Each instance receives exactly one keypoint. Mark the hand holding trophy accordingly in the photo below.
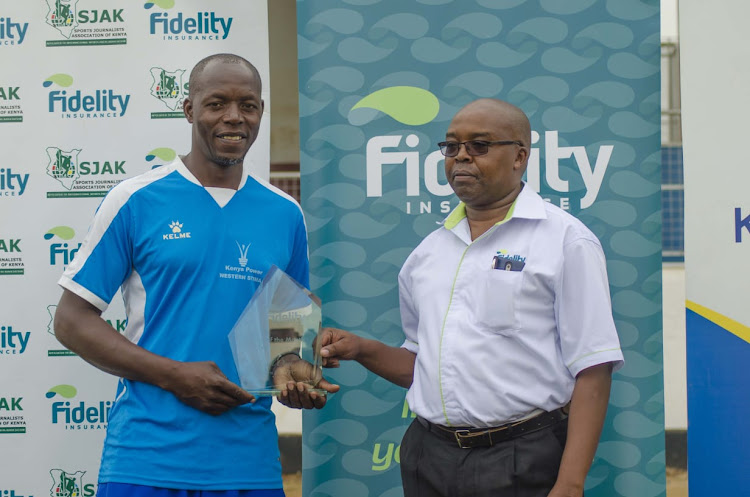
(275, 346)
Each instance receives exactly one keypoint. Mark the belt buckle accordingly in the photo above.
(459, 434)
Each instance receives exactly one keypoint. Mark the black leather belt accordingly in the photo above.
(469, 438)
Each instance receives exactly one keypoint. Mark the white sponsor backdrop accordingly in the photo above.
(86, 92)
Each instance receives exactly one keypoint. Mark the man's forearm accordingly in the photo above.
(79, 327)
(588, 408)
(395, 364)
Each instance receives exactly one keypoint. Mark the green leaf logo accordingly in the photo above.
(67, 391)
(59, 79)
(406, 104)
(64, 232)
(165, 154)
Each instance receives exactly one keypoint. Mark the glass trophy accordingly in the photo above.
(275, 338)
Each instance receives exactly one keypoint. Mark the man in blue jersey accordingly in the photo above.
(188, 243)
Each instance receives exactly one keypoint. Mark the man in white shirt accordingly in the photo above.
(510, 342)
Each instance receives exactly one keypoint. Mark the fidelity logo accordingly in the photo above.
(10, 104)
(61, 253)
(415, 107)
(79, 415)
(12, 184)
(87, 178)
(12, 33)
(67, 484)
(11, 260)
(91, 104)
(85, 27)
(13, 342)
(171, 89)
(201, 26)
(11, 415)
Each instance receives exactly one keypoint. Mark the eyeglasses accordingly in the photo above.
(473, 147)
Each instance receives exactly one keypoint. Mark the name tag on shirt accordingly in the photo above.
(508, 263)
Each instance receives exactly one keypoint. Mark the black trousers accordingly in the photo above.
(526, 466)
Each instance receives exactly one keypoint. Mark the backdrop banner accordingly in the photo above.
(91, 94)
(717, 234)
(379, 83)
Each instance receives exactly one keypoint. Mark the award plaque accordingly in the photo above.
(275, 339)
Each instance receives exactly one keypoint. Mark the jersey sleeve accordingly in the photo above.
(105, 258)
(584, 310)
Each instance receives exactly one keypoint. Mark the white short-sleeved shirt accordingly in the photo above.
(502, 325)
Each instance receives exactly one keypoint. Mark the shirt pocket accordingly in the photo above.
(497, 304)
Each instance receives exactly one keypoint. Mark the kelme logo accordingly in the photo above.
(176, 232)
(68, 104)
(70, 484)
(82, 178)
(171, 88)
(79, 415)
(406, 104)
(61, 253)
(100, 26)
(160, 156)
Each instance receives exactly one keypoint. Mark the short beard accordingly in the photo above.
(227, 162)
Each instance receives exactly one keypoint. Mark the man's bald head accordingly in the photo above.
(195, 85)
(511, 115)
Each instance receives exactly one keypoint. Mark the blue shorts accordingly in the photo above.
(128, 490)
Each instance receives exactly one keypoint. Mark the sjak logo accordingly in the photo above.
(169, 87)
(63, 165)
(415, 106)
(63, 16)
(67, 484)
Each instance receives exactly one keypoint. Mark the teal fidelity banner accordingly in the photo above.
(379, 82)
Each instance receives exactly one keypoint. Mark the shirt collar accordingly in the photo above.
(527, 205)
(185, 172)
